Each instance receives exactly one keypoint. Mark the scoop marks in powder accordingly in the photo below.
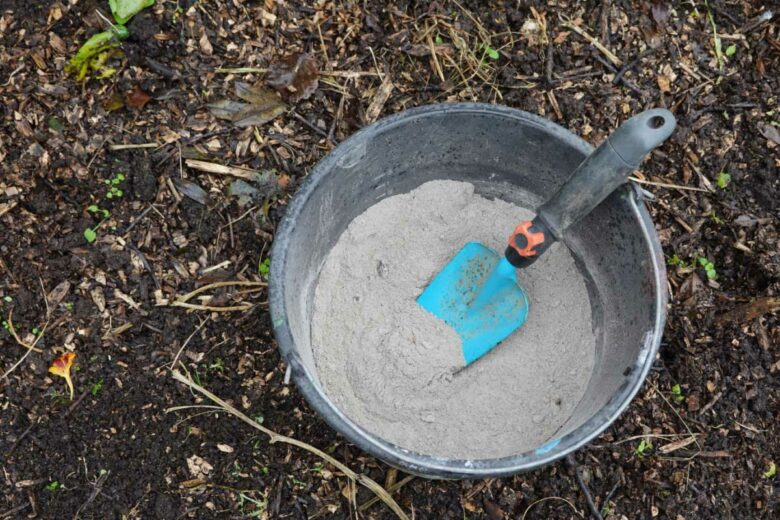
(391, 366)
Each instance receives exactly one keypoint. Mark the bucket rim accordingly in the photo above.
(442, 467)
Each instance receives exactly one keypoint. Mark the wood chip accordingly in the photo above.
(380, 98)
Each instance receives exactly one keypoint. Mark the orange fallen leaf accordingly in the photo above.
(137, 98)
(61, 367)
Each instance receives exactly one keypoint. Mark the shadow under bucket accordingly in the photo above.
(506, 154)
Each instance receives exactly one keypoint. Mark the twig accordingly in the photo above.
(221, 169)
(197, 307)
(275, 437)
(571, 461)
(21, 343)
(186, 341)
(392, 489)
(566, 22)
(216, 285)
(666, 185)
(11, 512)
(545, 499)
(76, 403)
(132, 146)
(97, 488)
(310, 126)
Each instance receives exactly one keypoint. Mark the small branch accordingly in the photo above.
(572, 463)
(275, 437)
(566, 22)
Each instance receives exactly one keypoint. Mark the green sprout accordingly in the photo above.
(644, 445)
(677, 394)
(676, 261)
(489, 51)
(709, 268)
(96, 387)
(264, 267)
(771, 472)
(715, 218)
(36, 332)
(97, 209)
(731, 50)
(53, 486)
(68, 306)
(723, 180)
(218, 365)
(259, 505)
(438, 40)
(7, 299)
(113, 186)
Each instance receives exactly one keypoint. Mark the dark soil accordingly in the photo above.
(117, 451)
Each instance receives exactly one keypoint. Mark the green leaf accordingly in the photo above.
(264, 267)
(53, 486)
(123, 10)
(90, 234)
(490, 51)
(93, 209)
(723, 180)
(438, 40)
(731, 50)
(771, 472)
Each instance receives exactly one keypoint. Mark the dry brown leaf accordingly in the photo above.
(380, 98)
(294, 76)
(137, 98)
(676, 445)
(664, 84)
(751, 310)
(205, 45)
(263, 106)
(769, 131)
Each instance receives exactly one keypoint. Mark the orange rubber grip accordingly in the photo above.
(530, 238)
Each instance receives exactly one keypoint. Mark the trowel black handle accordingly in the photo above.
(594, 179)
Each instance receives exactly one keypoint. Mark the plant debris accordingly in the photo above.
(262, 106)
(295, 76)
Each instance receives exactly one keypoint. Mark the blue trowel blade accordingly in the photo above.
(477, 295)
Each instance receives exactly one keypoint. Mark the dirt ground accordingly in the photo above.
(700, 441)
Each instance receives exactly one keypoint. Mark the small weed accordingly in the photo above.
(771, 472)
(676, 261)
(6, 326)
(259, 505)
(715, 218)
(68, 306)
(677, 394)
(113, 186)
(644, 445)
(264, 267)
(317, 469)
(53, 486)
(235, 471)
(96, 387)
(259, 419)
(731, 50)
(723, 180)
(97, 209)
(709, 268)
(218, 365)
(90, 234)
(297, 482)
(489, 51)
(36, 332)
(438, 40)
(7, 299)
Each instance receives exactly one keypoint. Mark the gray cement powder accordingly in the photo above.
(389, 365)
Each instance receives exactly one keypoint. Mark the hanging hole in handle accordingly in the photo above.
(656, 122)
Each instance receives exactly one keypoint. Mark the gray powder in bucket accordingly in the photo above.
(389, 365)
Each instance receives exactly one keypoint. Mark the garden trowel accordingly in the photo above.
(477, 293)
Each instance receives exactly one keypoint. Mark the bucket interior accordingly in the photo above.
(505, 155)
